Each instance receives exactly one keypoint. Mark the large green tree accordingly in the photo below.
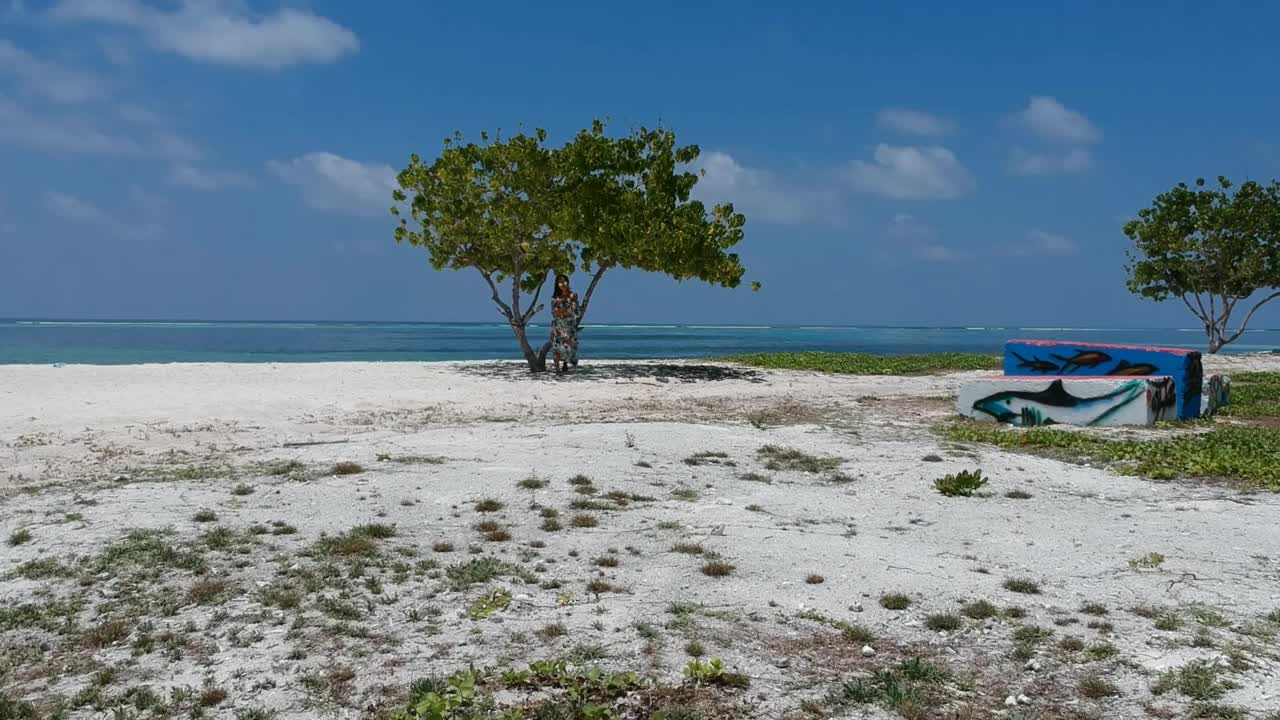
(1211, 248)
(518, 211)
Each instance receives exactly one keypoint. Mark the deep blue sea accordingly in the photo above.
(127, 342)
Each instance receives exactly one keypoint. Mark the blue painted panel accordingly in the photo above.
(1047, 358)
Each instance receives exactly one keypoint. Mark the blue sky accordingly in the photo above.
(899, 163)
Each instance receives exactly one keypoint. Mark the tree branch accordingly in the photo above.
(1247, 318)
(586, 298)
(516, 271)
(503, 308)
(1187, 302)
(534, 307)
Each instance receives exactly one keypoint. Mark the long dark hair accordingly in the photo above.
(557, 293)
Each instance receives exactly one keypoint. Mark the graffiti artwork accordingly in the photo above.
(1217, 394)
(1164, 399)
(1038, 358)
(1035, 364)
(1124, 367)
(1027, 402)
(1081, 360)
(1194, 386)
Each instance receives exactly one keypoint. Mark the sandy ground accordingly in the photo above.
(239, 602)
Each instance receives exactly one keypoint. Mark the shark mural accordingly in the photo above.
(1046, 358)
(1032, 403)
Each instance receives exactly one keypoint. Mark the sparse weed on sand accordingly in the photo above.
(895, 601)
(347, 467)
(780, 458)
(1023, 585)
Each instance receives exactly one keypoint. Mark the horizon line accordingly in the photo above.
(655, 324)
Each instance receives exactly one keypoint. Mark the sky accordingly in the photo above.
(898, 163)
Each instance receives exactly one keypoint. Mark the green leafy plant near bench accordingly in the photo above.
(965, 483)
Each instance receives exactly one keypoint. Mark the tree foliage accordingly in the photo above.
(1210, 248)
(517, 211)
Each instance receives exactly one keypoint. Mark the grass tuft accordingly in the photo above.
(895, 601)
(777, 458)
(979, 610)
(1026, 586)
(943, 622)
(717, 568)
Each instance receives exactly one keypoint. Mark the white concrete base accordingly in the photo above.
(1033, 401)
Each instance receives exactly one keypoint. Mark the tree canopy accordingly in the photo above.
(517, 211)
(1210, 248)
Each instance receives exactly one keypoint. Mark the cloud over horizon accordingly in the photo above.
(1051, 120)
(914, 122)
(911, 172)
(49, 80)
(762, 195)
(1054, 124)
(332, 182)
(1040, 243)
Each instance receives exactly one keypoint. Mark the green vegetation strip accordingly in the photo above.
(1245, 454)
(1254, 395)
(865, 364)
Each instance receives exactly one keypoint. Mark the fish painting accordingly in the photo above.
(1124, 367)
(1035, 364)
(1055, 406)
(1082, 359)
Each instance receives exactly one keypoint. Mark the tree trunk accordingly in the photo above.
(537, 359)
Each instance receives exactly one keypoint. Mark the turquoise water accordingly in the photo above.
(128, 342)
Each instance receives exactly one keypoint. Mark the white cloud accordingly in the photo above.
(91, 133)
(222, 32)
(197, 179)
(1075, 160)
(907, 235)
(911, 172)
(332, 182)
(18, 126)
(1053, 121)
(73, 209)
(761, 195)
(914, 122)
(117, 52)
(49, 80)
(70, 207)
(1039, 243)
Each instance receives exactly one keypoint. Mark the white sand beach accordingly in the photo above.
(273, 618)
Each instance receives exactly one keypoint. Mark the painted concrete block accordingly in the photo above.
(1033, 401)
(1217, 394)
(1043, 358)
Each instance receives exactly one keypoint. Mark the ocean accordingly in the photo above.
(131, 342)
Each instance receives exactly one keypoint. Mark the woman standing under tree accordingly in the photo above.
(564, 325)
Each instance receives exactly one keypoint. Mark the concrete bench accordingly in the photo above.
(1045, 358)
(1034, 401)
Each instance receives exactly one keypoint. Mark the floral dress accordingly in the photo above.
(564, 328)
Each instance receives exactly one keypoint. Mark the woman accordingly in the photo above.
(564, 325)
